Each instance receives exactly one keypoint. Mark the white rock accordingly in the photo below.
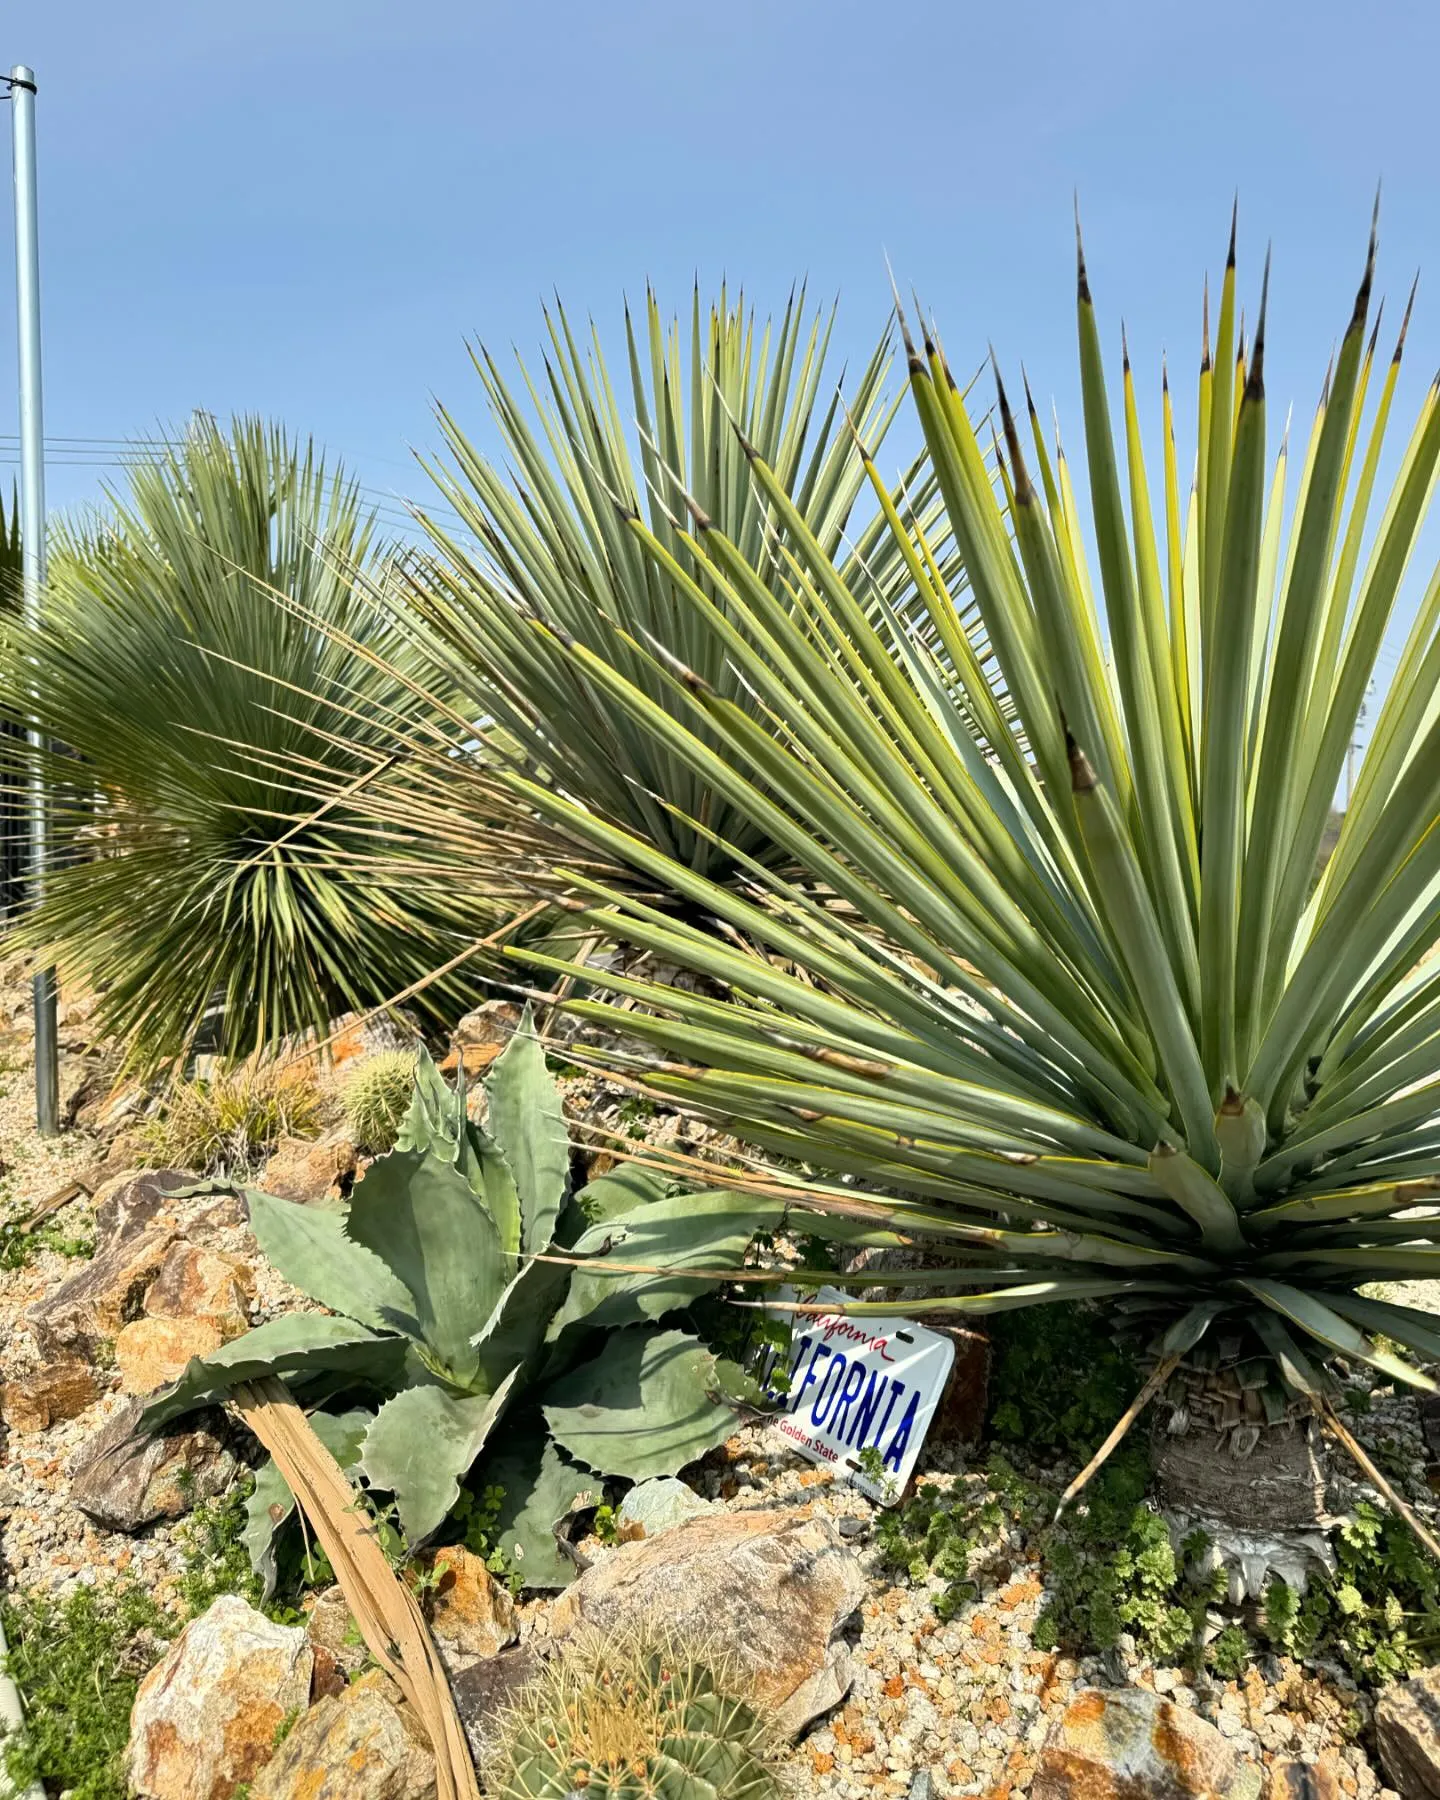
(661, 1503)
(206, 1716)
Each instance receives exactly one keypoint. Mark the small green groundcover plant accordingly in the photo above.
(1110, 1566)
(482, 1317)
(78, 1659)
(74, 1663)
(632, 1717)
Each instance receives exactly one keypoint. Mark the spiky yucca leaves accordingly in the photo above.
(1097, 1034)
(549, 544)
(193, 715)
(631, 1718)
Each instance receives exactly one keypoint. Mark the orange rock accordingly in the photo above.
(151, 1352)
(36, 1402)
(205, 1717)
(307, 1171)
(195, 1283)
(1019, 1593)
(894, 1687)
(1131, 1741)
(821, 1761)
(1292, 1780)
(489, 1026)
(478, 1058)
(471, 1614)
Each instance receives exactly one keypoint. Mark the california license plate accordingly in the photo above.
(862, 1393)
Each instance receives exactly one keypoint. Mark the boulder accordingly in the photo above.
(658, 1505)
(206, 1717)
(471, 1615)
(332, 1630)
(493, 1023)
(1407, 1734)
(769, 1589)
(1292, 1780)
(133, 1199)
(36, 1402)
(135, 1225)
(347, 1039)
(481, 1035)
(151, 1352)
(196, 1283)
(960, 1416)
(357, 1035)
(126, 1478)
(1130, 1741)
(310, 1170)
(362, 1744)
(105, 1113)
(485, 1690)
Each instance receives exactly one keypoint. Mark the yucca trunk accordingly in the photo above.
(1220, 1455)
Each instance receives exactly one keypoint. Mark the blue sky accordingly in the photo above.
(303, 208)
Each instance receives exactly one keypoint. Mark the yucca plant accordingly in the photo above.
(542, 557)
(195, 670)
(1089, 1029)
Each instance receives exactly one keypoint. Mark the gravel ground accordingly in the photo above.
(970, 1699)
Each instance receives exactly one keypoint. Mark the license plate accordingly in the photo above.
(861, 1395)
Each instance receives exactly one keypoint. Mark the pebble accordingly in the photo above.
(938, 1709)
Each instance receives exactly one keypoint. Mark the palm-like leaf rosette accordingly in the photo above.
(213, 687)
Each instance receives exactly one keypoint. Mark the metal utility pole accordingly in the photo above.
(32, 539)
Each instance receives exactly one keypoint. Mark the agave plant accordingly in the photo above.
(468, 1287)
(1089, 1027)
(543, 558)
(192, 718)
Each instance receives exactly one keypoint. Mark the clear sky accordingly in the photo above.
(303, 207)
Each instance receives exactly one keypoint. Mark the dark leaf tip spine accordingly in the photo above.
(1083, 779)
(1205, 328)
(1082, 278)
(1375, 330)
(1367, 280)
(1024, 493)
(1255, 384)
(1029, 397)
(1405, 322)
